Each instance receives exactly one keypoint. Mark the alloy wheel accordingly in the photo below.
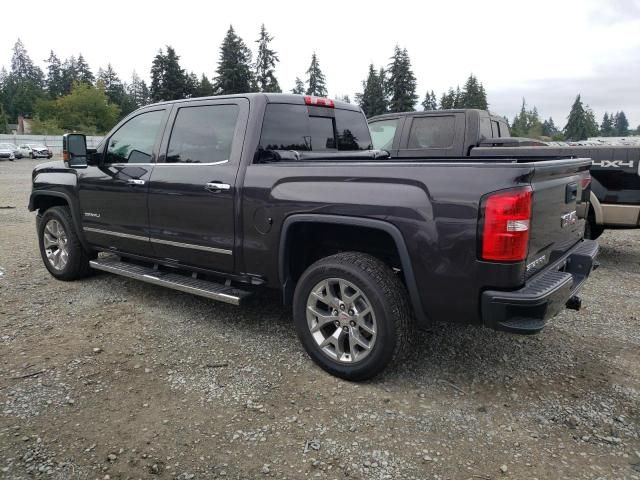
(55, 244)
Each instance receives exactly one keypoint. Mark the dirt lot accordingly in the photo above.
(110, 378)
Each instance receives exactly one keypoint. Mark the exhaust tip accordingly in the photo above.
(574, 303)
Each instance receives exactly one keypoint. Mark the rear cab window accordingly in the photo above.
(302, 128)
(434, 131)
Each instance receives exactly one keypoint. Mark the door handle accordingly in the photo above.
(217, 186)
(135, 181)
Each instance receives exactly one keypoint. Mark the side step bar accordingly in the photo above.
(175, 281)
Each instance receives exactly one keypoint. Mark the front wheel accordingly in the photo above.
(352, 315)
(60, 247)
(33, 156)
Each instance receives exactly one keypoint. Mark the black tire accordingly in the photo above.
(33, 156)
(592, 231)
(388, 298)
(77, 265)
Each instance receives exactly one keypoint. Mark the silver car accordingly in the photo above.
(34, 150)
(7, 152)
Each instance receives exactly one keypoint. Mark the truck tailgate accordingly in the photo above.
(559, 192)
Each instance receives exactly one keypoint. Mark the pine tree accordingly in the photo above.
(447, 101)
(401, 83)
(299, 87)
(234, 73)
(69, 74)
(592, 124)
(113, 87)
(4, 126)
(577, 127)
(606, 127)
(373, 100)
(621, 125)
(205, 87)
(527, 123)
(23, 85)
(138, 91)
(265, 64)
(429, 102)
(168, 80)
(549, 128)
(316, 81)
(473, 95)
(54, 84)
(83, 71)
(191, 85)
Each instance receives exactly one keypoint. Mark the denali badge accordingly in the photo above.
(570, 218)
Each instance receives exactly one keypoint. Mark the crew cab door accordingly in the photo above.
(193, 192)
(113, 188)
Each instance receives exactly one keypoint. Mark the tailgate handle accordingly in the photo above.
(571, 192)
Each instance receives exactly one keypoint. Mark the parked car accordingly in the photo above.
(7, 152)
(614, 198)
(35, 150)
(16, 150)
(222, 196)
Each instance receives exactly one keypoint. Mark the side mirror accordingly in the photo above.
(74, 149)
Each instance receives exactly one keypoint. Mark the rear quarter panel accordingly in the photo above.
(434, 205)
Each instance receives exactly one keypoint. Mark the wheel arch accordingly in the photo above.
(45, 199)
(284, 260)
(596, 207)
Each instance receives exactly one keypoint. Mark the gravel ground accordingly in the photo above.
(111, 378)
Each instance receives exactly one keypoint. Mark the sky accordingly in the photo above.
(546, 51)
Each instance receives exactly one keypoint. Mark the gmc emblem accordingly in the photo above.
(570, 218)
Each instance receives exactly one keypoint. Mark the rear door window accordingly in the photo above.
(432, 132)
(202, 134)
(383, 132)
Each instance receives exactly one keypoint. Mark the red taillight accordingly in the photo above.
(585, 182)
(319, 101)
(505, 232)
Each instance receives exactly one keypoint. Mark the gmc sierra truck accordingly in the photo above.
(614, 199)
(225, 195)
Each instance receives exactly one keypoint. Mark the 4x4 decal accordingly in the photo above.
(613, 163)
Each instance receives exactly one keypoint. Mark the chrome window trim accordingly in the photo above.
(158, 164)
(192, 246)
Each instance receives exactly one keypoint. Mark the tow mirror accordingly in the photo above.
(74, 149)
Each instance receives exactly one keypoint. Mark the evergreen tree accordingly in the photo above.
(448, 100)
(265, 64)
(473, 95)
(606, 127)
(113, 87)
(401, 83)
(205, 87)
(316, 81)
(4, 126)
(191, 85)
(54, 83)
(373, 100)
(429, 102)
(168, 80)
(23, 85)
(69, 75)
(621, 124)
(234, 67)
(527, 123)
(581, 122)
(299, 88)
(138, 91)
(83, 71)
(549, 128)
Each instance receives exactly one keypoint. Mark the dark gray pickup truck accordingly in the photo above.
(614, 200)
(225, 195)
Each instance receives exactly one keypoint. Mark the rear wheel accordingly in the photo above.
(352, 315)
(60, 247)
